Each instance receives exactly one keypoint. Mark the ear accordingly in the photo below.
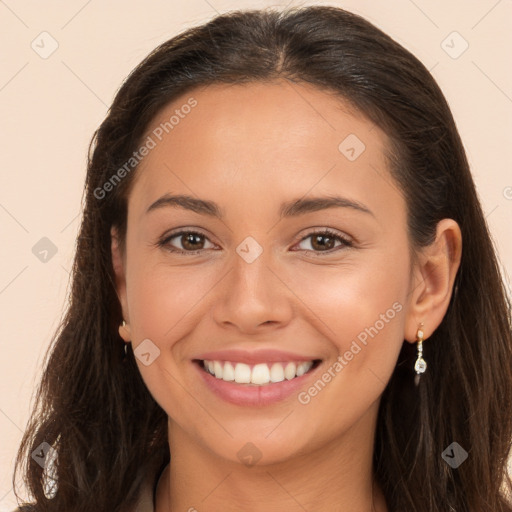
(432, 281)
(119, 265)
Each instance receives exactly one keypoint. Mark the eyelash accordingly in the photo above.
(164, 242)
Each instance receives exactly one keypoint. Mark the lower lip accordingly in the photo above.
(245, 394)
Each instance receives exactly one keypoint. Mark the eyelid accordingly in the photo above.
(326, 230)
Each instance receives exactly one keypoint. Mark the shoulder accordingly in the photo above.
(146, 500)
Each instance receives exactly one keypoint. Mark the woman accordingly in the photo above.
(284, 279)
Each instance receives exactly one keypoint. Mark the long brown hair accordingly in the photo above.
(93, 407)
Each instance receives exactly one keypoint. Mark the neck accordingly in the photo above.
(337, 476)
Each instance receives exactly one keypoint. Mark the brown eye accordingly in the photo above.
(325, 241)
(192, 241)
(188, 242)
(321, 242)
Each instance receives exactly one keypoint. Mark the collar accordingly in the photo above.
(146, 502)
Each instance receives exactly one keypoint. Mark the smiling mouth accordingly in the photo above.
(261, 374)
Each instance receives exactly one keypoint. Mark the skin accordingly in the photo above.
(249, 148)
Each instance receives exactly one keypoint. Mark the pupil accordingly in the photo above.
(323, 245)
(189, 239)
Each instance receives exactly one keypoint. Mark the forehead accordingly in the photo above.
(269, 138)
(284, 114)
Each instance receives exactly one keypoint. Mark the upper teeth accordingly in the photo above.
(259, 374)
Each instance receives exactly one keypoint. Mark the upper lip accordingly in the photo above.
(254, 356)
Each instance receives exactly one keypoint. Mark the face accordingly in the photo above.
(290, 255)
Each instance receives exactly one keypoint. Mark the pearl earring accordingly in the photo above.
(421, 365)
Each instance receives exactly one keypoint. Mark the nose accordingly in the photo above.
(253, 297)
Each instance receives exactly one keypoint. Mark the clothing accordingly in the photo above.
(147, 496)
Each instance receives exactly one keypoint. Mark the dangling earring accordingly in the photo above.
(125, 344)
(421, 365)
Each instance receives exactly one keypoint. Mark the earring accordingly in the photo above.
(421, 365)
(122, 326)
(125, 344)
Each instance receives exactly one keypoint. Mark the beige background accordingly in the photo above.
(50, 107)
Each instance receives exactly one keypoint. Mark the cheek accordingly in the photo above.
(360, 312)
(165, 307)
(346, 300)
(163, 299)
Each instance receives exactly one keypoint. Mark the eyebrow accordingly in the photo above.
(289, 209)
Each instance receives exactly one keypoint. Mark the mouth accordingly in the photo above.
(256, 375)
